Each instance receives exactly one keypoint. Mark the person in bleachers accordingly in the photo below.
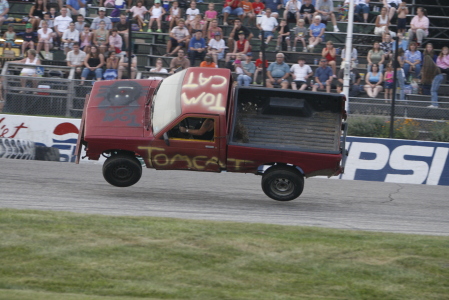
(101, 37)
(198, 24)
(382, 22)
(179, 62)
(216, 48)
(179, 38)
(101, 17)
(374, 81)
(75, 58)
(443, 61)
(53, 14)
(278, 72)
(432, 77)
(9, 36)
(283, 35)
(30, 59)
(123, 66)
(70, 36)
(28, 38)
(76, 7)
(45, 39)
(300, 34)
(86, 37)
(392, 6)
(388, 81)
(62, 23)
(267, 26)
(191, 12)
(50, 22)
(307, 10)
(210, 15)
(174, 14)
(4, 9)
(122, 29)
(242, 46)
(232, 7)
(362, 7)
(37, 13)
(139, 12)
(300, 73)
(412, 60)
(429, 50)
(316, 33)
(325, 9)
(376, 56)
(234, 37)
(213, 30)
(354, 81)
(387, 47)
(208, 62)
(197, 48)
(354, 56)
(112, 63)
(402, 17)
(116, 40)
(292, 10)
(158, 69)
(248, 12)
(330, 54)
(258, 7)
(93, 63)
(419, 26)
(156, 12)
(274, 6)
(248, 68)
(259, 67)
(79, 25)
(323, 77)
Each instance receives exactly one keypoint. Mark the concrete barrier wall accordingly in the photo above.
(372, 159)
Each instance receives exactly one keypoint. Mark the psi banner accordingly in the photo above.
(371, 159)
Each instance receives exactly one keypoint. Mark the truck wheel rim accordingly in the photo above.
(282, 186)
(122, 172)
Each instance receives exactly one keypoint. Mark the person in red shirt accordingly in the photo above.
(330, 53)
(258, 7)
(259, 67)
(232, 7)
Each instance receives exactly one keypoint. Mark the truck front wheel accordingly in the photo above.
(282, 183)
(122, 170)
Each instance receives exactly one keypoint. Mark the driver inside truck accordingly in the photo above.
(205, 132)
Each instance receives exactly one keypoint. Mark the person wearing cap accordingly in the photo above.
(242, 46)
(234, 37)
(101, 17)
(156, 12)
(278, 72)
(28, 38)
(179, 38)
(208, 63)
(197, 48)
(300, 73)
(216, 48)
(248, 68)
(61, 24)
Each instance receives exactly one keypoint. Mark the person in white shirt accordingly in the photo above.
(45, 39)
(267, 26)
(216, 48)
(191, 12)
(61, 24)
(292, 9)
(75, 58)
(70, 36)
(300, 73)
(392, 6)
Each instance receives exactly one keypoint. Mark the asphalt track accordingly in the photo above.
(355, 205)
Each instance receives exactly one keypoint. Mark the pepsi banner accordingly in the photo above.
(399, 161)
(371, 159)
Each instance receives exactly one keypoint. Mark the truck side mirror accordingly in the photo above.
(167, 141)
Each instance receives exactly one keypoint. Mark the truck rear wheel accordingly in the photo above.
(282, 183)
(122, 170)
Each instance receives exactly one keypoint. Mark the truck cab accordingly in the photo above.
(196, 120)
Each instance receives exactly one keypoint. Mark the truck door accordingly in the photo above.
(187, 151)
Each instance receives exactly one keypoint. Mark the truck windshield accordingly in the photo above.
(167, 102)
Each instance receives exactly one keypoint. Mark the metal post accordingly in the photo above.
(264, 68)
(347, 65)
(393, 100)
(130, 17)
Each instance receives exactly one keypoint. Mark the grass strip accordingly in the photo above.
(58, 255)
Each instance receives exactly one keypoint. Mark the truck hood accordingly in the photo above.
(117, 107)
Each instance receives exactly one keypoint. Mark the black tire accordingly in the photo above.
(122, 170)
(282, 183)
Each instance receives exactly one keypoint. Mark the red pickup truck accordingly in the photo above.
(196, 120)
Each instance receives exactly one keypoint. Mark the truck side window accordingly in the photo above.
(194, 128)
